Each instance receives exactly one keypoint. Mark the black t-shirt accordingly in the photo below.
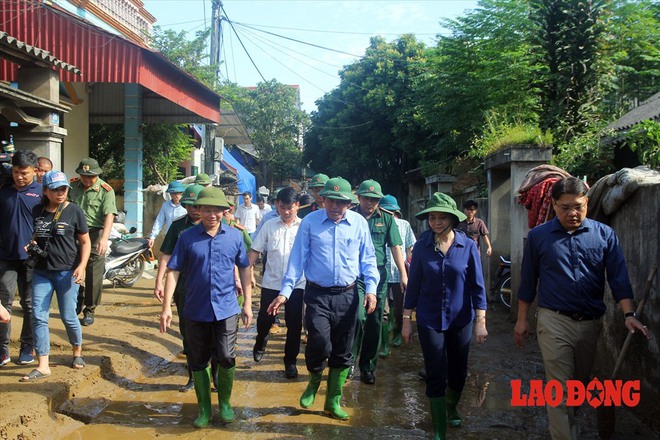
(62, 248)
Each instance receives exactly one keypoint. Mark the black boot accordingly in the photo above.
(190, 384)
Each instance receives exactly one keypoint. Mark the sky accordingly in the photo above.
(343, 26)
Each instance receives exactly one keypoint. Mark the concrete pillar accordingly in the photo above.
(43, 141)
(133, 197)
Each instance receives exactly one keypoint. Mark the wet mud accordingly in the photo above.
(130, 388)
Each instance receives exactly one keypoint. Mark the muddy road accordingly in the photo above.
(130, 388)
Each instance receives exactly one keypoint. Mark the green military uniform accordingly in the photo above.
(307, 209)
(318, 181)
(96, 202)
(384, 232)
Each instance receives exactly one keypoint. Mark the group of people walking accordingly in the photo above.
(346, 266)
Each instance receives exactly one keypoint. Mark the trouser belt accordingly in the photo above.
(576, 316)
(332, 289)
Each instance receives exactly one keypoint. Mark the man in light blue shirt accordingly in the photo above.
(170, 211)
(333, 248)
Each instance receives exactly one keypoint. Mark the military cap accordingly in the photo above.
(190, 194)
(337, 188)
(318, 181)
(440, 202)
(370, 188)
(89, 167)
(212, 196)
(203, 179)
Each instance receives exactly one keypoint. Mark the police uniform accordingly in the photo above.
(97, 201)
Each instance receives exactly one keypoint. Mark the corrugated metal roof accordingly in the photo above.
(647, 111)
(106, 58)
(23, 53)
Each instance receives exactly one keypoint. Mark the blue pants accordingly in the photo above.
(330, 319)
(44, 282)
(445, 358)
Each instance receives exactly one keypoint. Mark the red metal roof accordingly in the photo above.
(101, 56)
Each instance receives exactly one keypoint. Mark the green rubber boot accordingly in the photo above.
(385, 349)
(202, 380)
(439, 417)
(336, 379)
(225, 385)
(308, 396)
(453, 416)
(397, 339)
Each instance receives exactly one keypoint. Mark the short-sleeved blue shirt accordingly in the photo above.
(16, 222)
(445, 289)
(208, 263)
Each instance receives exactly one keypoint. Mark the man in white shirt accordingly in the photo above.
(248, 214)
(276, 237)
(264, 208)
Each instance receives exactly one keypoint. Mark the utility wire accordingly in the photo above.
(240, 41)
(334, 32)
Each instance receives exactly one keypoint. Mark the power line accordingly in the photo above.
(240, 41)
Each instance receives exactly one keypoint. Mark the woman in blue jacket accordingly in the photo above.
(446, 288)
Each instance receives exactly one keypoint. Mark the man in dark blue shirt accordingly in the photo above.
(17, 227)
(207, 254)
(569, 257)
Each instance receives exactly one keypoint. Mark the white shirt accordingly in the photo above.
(276, 239)
(266, 210)
(167, 214)
(248, 217)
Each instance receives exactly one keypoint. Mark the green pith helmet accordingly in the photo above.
(370, 188)
(338, 188)
(190, 194)
(319, 180)
(203, 179)
(212, 196)
(440, 202)
(89, 167)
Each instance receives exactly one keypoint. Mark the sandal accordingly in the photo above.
(33, 375)
(78, 363)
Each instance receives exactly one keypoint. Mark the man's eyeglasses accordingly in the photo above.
(568, 209)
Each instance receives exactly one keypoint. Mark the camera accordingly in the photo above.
(35, 252)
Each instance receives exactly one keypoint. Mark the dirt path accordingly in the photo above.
(130, 387)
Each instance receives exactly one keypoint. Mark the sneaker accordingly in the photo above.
(4, 358)
(274, 329)
(25, 357)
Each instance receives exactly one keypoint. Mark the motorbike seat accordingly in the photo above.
(123, 247)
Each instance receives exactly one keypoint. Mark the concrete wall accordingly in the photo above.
(636, 225)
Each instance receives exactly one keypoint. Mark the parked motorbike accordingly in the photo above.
(502, 286)
(124, 263)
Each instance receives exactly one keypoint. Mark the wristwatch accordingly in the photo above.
(630, 314)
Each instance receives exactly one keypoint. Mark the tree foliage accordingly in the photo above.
(369, 126)
(164, 147)
(272, 115)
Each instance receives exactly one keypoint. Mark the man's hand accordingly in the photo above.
(102, 247)
(165, 319)
(370, 301)
(404, 282)
(489, 251)
(79, 275)
(159, 292)
(5, 316)
(480, 331)
(150, 242)
(274, 306)
(633, 324)
(521, 332)
(246, 314)
(406, 331)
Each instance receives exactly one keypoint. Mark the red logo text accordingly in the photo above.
(575, 393)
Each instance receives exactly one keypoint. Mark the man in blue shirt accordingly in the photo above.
(333, 248)
(207, 254)
(16, 203)
(569, 258)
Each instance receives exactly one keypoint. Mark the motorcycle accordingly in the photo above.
(126, 258)
(502, 286)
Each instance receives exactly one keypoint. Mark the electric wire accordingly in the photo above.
(239, 40)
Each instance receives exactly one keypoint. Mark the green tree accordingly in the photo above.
(189, 55)
(164, 147)
(369, 126)
(272, 115)
(483, 66)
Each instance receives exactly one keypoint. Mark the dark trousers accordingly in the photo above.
(397, 297)
(367, 332)
(330, 319)
(94, 274)
(205, 338)
(13, 274)
(445, 358)
(180, 300)
(293, 314)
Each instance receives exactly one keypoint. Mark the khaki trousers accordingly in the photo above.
(569, 349)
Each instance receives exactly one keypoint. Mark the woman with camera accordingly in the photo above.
(59, 251)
